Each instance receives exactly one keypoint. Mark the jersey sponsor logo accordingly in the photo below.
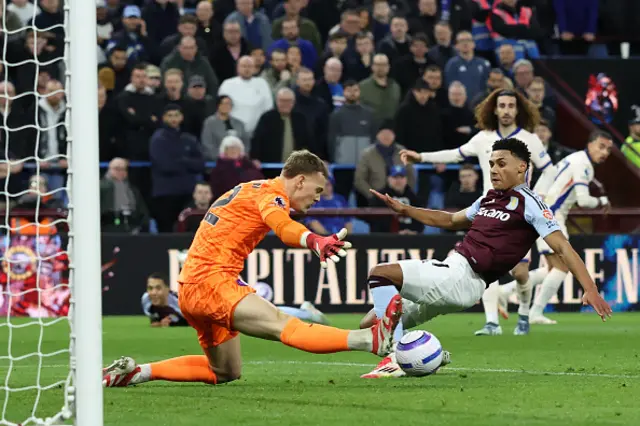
(543, 154)
(547, 214)
(494, 214)
(513, 204)
(279, 201)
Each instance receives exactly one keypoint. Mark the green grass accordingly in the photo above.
(580, 372)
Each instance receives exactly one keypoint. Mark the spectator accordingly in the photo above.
(495, 81)
(134, 36)
(39, 196)
(26, 71)
(556, 151)
(251, 95)
(376, 161)
(396, 44)
(351, 128)
(281, 131)
(115, 74)
(358, 67)
(122, 208)
(458, 13)
(138, 108)
(381, 19)
(161, 18)
(349, 25)
(418, 121)
(327, 225)
(176, 163)
(108, 132)
(50, 20)
(191, 216)
(232, 168)
(536, 94)
(426, 19)
(308, 29)
(160, 304)
(24, 10)
(187, 27)
(466, 68)
(411, 67)
(199, 105)
(433, 77)
(220, 125)
(459, 122)
(443, 50)
(255, 25)
(259, 59)
(291, 36)
(315, 110)
(380, 92)
(631, 146)
(187, 59)
(225, 57)
(515, 24)
(507, 59)
(13, 118)
(466, 191)
(52, 141)
(328, 88)
(104, 25)
(337, 49)
(480, 12)
(173, 89)
(209, 29)
(294, 61)
(277, 71)
(575, 20)
(153, 79)
(398, 189)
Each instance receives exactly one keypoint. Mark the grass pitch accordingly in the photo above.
(579, 372)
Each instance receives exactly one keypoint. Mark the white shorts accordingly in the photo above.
(438, 288)
(543, 247)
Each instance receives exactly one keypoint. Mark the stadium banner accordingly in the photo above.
(289, 276)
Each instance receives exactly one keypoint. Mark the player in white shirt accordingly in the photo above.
(504, 114)
(570, 187)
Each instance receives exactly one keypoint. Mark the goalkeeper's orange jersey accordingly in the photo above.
(233, 226)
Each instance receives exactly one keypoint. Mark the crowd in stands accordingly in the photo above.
(243, 83)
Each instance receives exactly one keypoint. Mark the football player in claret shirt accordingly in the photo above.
(502, 227)
(160, 304)
(219, 306)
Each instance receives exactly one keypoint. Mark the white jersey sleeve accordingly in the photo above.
(463, 153)
(472, 210)
(582, 176)
(541, 159)
(537, 214)
(146, 304)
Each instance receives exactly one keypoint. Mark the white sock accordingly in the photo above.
(508, 288)
(490, 303)
(296, 312)
(525, 292)
(381, 298)
(550, 286)
(537, 276)
(144, 376)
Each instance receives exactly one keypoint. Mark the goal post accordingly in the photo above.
(84, 214)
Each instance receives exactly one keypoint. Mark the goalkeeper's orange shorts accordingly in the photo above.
(208, 307)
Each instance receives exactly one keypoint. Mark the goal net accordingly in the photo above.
(41, 325)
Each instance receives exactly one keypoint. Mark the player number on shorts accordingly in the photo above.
(221, 202)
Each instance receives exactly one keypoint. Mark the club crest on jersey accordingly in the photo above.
(279, 201)
(513, 204)
(547, 214)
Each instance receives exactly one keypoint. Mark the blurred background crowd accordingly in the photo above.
(197, 96)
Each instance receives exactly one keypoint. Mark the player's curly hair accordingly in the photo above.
(516, 147)
(304, 162)
(528, 115)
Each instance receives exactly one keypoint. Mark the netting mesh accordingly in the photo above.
(36, 300)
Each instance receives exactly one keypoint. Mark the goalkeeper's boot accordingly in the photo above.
(316, 316)
(388, 367)
(122, 372)
(489, 329)
(522, 329)
(383, 328)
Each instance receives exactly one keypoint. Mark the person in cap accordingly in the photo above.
(375, 162)
(134, 36)
(176, 163)
(199, 105)
(631, 147)
(153, 78)
(398, 188)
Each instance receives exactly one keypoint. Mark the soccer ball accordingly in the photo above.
(419, 353)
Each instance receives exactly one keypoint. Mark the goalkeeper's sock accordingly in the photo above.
(321, 339)
(490, 303)
(189, 368)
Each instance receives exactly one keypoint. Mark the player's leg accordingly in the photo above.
(490, 300)
(256, 317)
(550, 285)
(525, 291)
(369, 319)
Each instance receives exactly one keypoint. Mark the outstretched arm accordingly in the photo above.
(445, 156)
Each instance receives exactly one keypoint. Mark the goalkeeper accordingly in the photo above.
(219, 305)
